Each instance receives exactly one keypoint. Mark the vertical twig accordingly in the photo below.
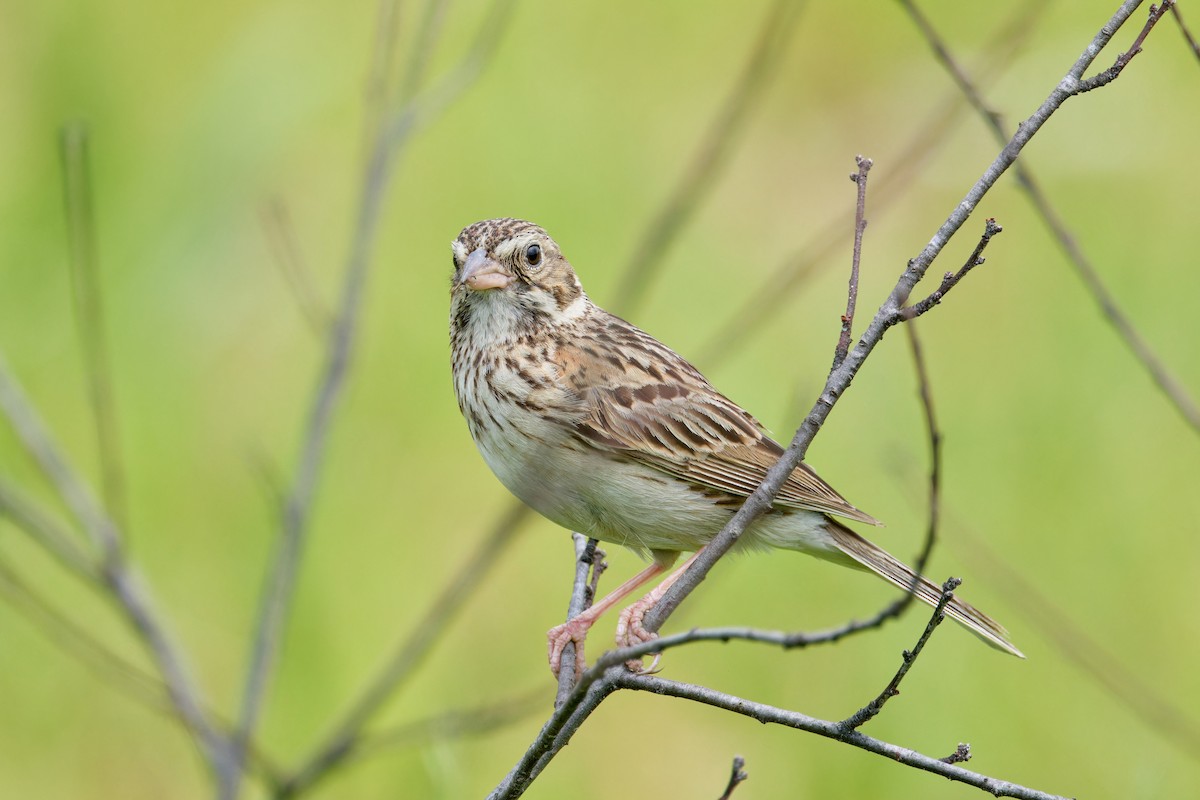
(860, 225)
(737, 774)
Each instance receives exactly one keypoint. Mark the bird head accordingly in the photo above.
(514, 270)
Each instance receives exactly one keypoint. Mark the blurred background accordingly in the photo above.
(1071, 503)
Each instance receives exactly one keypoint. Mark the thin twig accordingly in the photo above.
(1105, 300)
(1187, 34)
(718, 144)
(951, 279)
(860, 225)
(737, 774)
(1109, 75)
(833, 730)
(872, 709)
(89, 313)
(391, 136)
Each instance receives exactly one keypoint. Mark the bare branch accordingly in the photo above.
(1109, 75)
(722, 134)
(872, 709)
(89, 313)
(860, 225)
(1167, 383)
(832, 730)
(736, 776)
(951, 279)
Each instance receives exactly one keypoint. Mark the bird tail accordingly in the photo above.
(888, 567)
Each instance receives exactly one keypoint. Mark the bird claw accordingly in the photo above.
(630, 632)
(573, 631)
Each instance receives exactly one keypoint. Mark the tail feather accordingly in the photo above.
(887, 566)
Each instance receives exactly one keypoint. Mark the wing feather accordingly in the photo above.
(642, 400)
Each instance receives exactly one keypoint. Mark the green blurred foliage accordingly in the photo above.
(1059, 450)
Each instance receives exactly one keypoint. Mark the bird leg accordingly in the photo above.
(576, 629)
(630, 631)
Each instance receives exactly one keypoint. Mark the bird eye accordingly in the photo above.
(533, 255)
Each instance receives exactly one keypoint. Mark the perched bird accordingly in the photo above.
(606, 431)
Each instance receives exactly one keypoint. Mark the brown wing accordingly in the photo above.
(643, 400)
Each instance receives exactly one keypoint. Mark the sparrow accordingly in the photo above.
(604, 430)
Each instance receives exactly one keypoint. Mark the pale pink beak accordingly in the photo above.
(481, 273)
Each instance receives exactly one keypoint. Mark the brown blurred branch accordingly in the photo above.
(1170, 386)
(762, 59)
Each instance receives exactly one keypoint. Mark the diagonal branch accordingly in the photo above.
(832, 730)
(1167, 383)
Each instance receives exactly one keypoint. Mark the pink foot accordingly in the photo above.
(630, 632)
(572, 631)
